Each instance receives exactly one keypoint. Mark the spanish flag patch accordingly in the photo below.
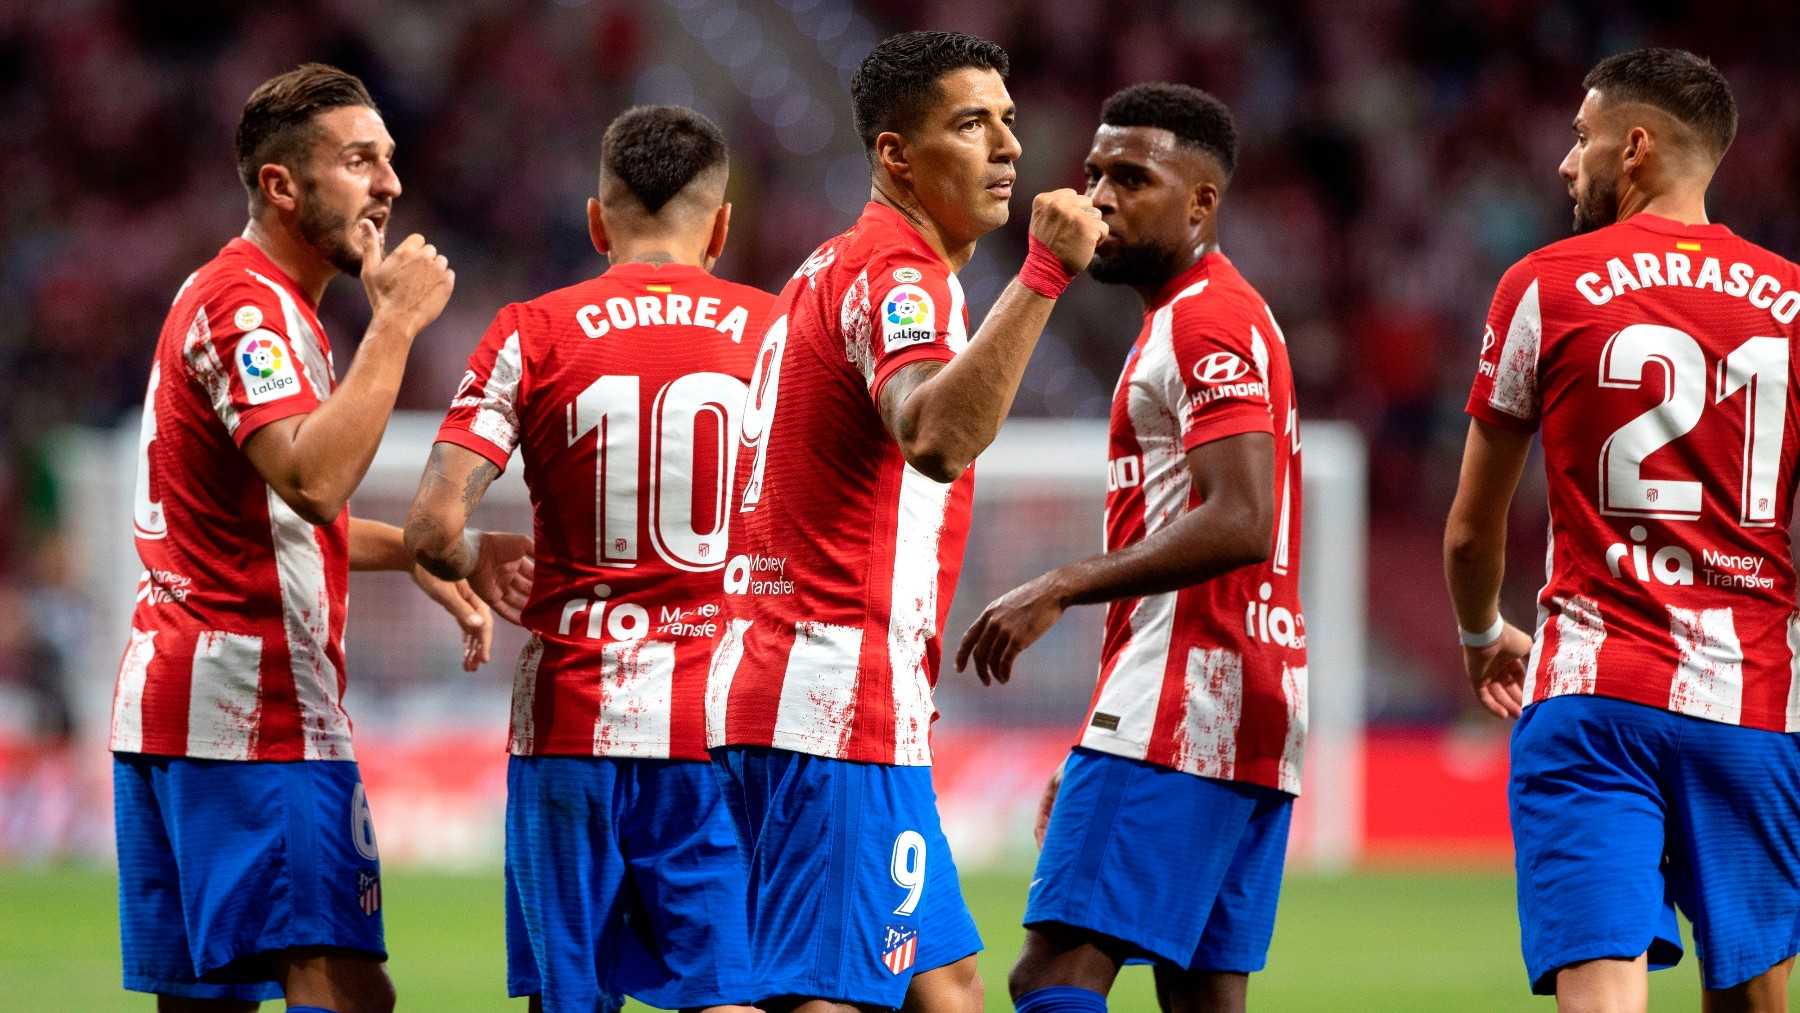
(665, 289)
(1689, 247)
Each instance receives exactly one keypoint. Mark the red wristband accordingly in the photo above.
(1042, 272)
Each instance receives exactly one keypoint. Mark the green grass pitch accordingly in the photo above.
(1389, 941)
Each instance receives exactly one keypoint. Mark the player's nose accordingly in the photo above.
(1006, 148)
(386, 182)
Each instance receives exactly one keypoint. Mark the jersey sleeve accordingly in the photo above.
(239, 352)
(1505, 392)
(1222, 364)
(484, 411)
(914, 315)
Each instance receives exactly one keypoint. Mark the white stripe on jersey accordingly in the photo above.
(1131, 691)
(497, 417)
(524, 697)
(305, 341)
(1293, 690)
(957, 336)
(225, 695)
(857, 322)
(209, 371)
(818, 691)
(1709, 677)
(1515, 381)
(1580, 633)
(1793, 700)
(719, 673)
(128, 699)
(1543, 615)
(912, 610)
(306, 613)
(637, 681)
(1212, 709)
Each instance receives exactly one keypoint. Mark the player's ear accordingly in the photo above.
(721, 226)
(278, 186)
(890, 155)
(1203, 202)
(597, 227)
(1638, 143)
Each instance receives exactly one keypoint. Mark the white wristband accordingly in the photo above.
(1486, 638)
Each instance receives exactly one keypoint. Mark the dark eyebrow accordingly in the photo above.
(980, 111)
(370, 146)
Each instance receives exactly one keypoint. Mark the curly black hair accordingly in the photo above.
(1196, 118)
(656, 151)
(1686, 86)
(897, 81)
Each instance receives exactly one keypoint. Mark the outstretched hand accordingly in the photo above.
(471, 614)
(503, 572)
(1010, 623)
(1497, 672)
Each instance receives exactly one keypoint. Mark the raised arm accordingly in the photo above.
(1475, 560)
(945, 414)
(1233, 526)
(316, 460)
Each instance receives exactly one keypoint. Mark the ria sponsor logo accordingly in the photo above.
(1673, 565)
(627, 621)
(1273, 624)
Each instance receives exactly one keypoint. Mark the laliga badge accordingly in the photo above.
(907, 318)
(266, 366)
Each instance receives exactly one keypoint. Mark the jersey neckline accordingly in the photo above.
(1671, 227)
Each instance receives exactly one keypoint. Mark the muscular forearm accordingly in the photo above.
(948, 420)
(334, 444)
(1474, 563)
(377, 546)
(1197, 546)
(437, 535)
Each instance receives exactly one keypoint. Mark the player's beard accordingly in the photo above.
(1141, 265)
(1598, 205)
(327, 231)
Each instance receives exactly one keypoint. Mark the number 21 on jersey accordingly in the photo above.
(1758, 368)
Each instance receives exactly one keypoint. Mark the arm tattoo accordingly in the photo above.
(479, 480)
(894, 393)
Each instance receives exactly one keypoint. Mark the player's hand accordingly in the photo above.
(1010, 623)
(1045, 806)
(503, 572)
(1070, 225)
(1497, 672)
(469, 611)
(408, 286)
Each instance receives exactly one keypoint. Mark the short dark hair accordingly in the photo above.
(276, 125)
(1686, 86)
(656, 151)
(897, 81)
(1196, 118)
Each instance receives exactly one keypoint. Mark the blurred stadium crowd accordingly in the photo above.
(1395, 158)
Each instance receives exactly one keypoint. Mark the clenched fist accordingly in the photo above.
(1069, 224)
(408, 286)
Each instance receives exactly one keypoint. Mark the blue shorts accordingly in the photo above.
(222, 863)
(852, 887)
(1186, 870)
(1620, 812)
(623, 877)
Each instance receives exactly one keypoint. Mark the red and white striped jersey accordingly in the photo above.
(1211, 679)
(623, 395)
(845, 558)
(237, 640)
(1655, 359)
